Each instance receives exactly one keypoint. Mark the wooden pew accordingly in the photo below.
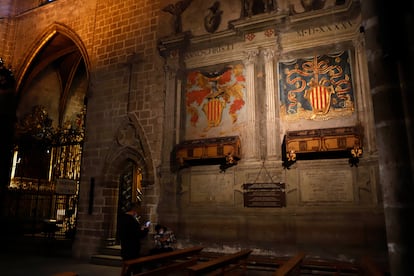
(223, 263)
(292, 266)
(369, 267)
(170, 261)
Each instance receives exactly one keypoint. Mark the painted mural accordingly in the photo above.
(316, 88)
(215, 102)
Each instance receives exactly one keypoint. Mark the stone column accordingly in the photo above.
(271, 138)
(390, 58)
(250, 141)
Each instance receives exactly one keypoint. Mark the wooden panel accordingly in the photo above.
(340, 142)
(212, 150)
(264, 195)
(197, 152)
(331, 139)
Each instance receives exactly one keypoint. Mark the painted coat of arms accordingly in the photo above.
(214, 102)
(316, 88)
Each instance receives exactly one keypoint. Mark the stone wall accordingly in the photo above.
(327, 200)
(124, 69)
(138, 65)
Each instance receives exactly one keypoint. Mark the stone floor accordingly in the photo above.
(38, 256)
(41, 265)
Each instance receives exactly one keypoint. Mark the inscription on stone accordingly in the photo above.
(326, 186)
(212, 188)
(264, 195)
(210, 51)
(326, 28)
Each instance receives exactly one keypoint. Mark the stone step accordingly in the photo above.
(109, 260)
(114, 250)
(109, 255)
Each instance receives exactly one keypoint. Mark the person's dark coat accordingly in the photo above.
(130, 236)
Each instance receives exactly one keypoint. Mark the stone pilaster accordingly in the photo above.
(364, 104)
(250, 141)
(172, 100)
(271, 138)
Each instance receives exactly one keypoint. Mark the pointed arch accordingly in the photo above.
(61, 47)
(55, 33)
(130, 145)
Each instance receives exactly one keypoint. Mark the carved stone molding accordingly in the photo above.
(171, 46)
(268, 54)
(251, 56)
(127, 137)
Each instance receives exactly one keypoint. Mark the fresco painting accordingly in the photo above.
(316, 88)
(215, 102)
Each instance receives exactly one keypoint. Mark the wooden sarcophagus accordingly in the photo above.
(225, 151)
(324, 143)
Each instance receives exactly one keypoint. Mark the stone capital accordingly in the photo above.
(250, 56)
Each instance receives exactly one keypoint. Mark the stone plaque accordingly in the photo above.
(212, 188)
(326, 186)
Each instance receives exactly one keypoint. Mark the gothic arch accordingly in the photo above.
(61, 47)
(130, 145)
(54, 72)
(62, 36)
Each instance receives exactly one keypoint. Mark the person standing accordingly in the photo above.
(131, 232)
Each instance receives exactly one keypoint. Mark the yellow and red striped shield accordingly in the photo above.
(320, 98)
(213, 110)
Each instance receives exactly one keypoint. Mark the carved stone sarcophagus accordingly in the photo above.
(221, 150)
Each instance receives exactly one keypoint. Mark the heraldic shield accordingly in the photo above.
(214, 110)
(320, 98)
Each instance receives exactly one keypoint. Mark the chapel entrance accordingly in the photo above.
(130, 190)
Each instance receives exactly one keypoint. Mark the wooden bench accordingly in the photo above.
(66, 273)
(369, 267)
(171, 261)
(328, 267)
(223, 263)
(292, 266)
